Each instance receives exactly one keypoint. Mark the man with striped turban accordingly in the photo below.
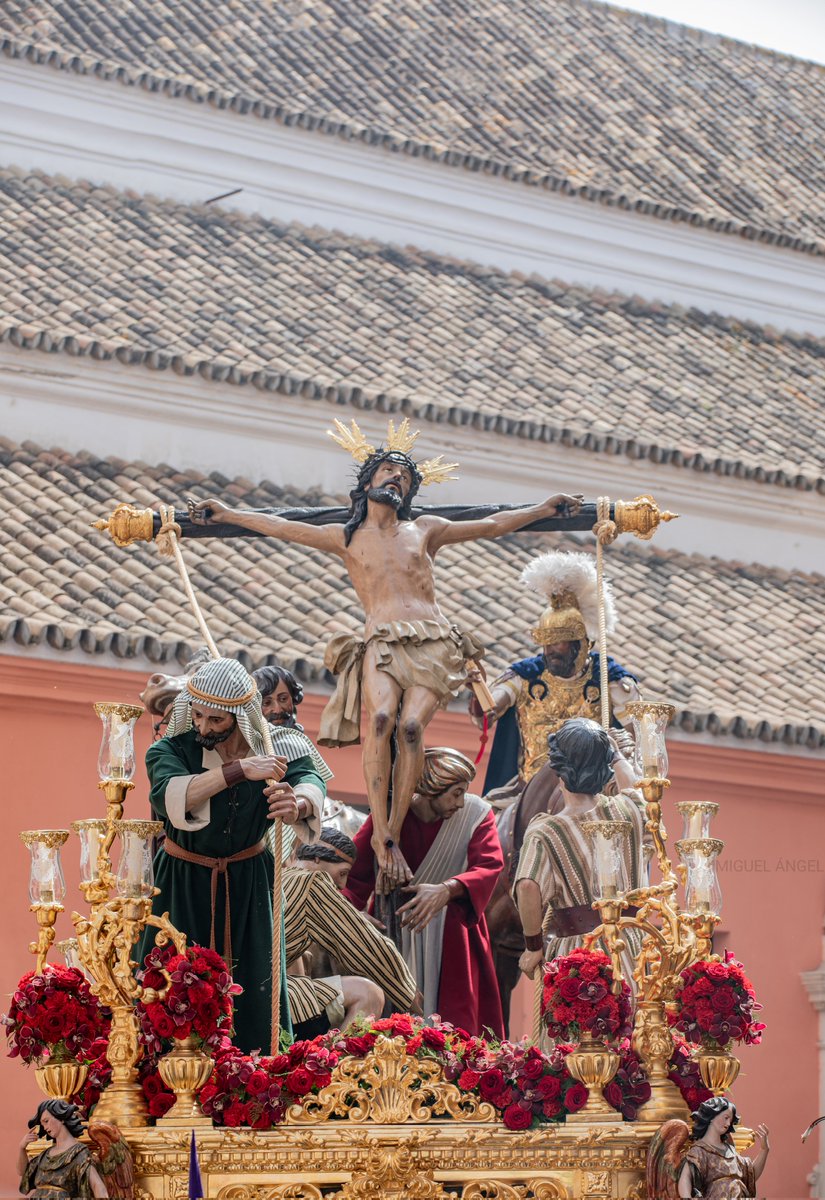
(208, 784)
(450, 841)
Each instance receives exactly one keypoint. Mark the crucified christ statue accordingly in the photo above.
(412, 658)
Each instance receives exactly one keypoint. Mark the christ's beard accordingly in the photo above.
(384, 495)
(210, 740)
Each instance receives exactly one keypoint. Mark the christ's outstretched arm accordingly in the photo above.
(319, 537)
(446, 533)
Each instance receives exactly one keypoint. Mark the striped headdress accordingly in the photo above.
(225, 685)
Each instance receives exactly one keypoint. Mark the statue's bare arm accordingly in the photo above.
(319, 537)
(446, 533)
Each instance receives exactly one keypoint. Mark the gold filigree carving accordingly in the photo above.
(264, 1191)
(535, 1189)
(597, 1183)
(390, 1087)
(637, 1192)
(393, 1173)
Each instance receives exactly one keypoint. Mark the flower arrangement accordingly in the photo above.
(715, 1004)
(257, 1089)
(629, 1089)
(685, 1073)
(55, 1016)
(197, 1003)
(578, 1002)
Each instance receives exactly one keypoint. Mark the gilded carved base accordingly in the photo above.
(340, 1160)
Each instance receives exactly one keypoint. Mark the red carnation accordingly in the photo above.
(433, 1038)
(234, 1114)
(551, 1109)
(468, 1080)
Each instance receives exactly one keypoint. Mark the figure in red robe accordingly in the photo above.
(450, 842)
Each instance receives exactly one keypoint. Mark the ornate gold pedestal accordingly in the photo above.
(402, 1132)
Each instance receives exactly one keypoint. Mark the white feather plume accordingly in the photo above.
(571, 571)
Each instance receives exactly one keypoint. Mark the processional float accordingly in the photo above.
(388, 1124)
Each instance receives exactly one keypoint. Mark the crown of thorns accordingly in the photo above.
(399, 441)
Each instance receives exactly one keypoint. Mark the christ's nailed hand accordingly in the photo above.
(206, 512)
(563, 505)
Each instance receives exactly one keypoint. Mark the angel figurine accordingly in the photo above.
(66, 1170)
(682, 1164)
(114, 1160)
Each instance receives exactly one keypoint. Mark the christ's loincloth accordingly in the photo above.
(428, 654)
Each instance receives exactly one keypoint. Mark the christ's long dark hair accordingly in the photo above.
(707, 1111)
(358, 495)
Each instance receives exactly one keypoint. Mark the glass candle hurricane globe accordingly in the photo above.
(91, 833)
(608, 839)
(703, 894)
(46, 882)
(135, 874)
(116, 761)
(650, 720)
(696, 818)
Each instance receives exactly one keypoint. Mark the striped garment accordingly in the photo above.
(557, 855)
(315, 911)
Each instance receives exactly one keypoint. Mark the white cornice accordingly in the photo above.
(111, 409)
(93, 129)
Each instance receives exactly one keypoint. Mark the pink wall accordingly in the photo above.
(772, 820)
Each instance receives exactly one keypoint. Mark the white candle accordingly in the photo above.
(650, 756)
(134, 865)
(606, 867)
(695, 823)
(44, 873)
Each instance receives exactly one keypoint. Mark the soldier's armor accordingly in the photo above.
(542, 707)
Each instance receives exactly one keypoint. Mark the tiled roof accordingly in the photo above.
(582, 98)
(339, 320)
(740, 649)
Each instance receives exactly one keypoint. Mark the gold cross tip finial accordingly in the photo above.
(399, 440)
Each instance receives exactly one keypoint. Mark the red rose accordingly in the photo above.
(533, 1067)
(492, 1081)
(159, 1105)
(575, 1097)
(257, 1083)
(723, 1000)
(299, 1081)
(613, 1095)
(279, 1064)
(163, 1024)
(516, 1117)
(414, 1044)
(468, 1080)
(549, 1087)
(716, 970)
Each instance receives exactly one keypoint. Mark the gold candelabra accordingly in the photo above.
(672, 938)
(120, 908)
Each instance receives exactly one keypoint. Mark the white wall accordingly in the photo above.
(84, 127)
(131, 412)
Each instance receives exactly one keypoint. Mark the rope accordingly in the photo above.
(168, 544)
(538, 995)
(606, 532)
